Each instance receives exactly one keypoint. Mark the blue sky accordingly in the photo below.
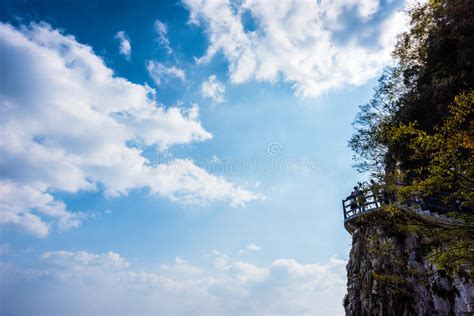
(181, 157)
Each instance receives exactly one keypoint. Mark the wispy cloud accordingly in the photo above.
(125, 47)
(250, 248)
(253, 247)
(213, 88)
(160, 73)
(72, 260)
(162, 32)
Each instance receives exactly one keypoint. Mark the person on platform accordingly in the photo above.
(375, 188)
(358, 194)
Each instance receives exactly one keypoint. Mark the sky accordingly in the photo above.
(177, 158)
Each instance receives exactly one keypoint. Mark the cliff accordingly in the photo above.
(389, 272)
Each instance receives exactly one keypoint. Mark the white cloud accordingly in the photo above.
(125, 47)
(250, 247)
(367, 8)
(72, 260)
(283, 287)
(180, 268)
(214, 89)
(253, 247)
(244, 272)
(297, 42)
(18, 198)
(159, 72)
(181, 180)
(162, 31)
(66, 124)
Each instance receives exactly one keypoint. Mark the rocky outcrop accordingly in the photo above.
(388, 274)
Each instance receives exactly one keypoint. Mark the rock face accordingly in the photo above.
(387, 275)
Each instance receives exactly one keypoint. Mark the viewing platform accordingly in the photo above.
(352, 211)
(372, 204)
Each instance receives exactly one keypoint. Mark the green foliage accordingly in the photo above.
(455, 258)
(434, 65)
(394, 279)
(447, 152)
(394, 285)
(381, 247)
(417, 132)
(449, 168)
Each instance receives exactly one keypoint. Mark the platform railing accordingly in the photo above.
(371, 201)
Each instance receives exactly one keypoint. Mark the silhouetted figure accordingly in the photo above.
(359, 195)
(375, 188)
(354, 195)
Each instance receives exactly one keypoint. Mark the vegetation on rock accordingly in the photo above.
(417, 132)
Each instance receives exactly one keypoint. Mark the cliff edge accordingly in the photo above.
(389, 271)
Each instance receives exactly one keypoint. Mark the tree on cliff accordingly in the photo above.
(417, 132)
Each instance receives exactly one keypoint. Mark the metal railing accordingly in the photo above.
(368, 201)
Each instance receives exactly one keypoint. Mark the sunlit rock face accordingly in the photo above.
(388, 275)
